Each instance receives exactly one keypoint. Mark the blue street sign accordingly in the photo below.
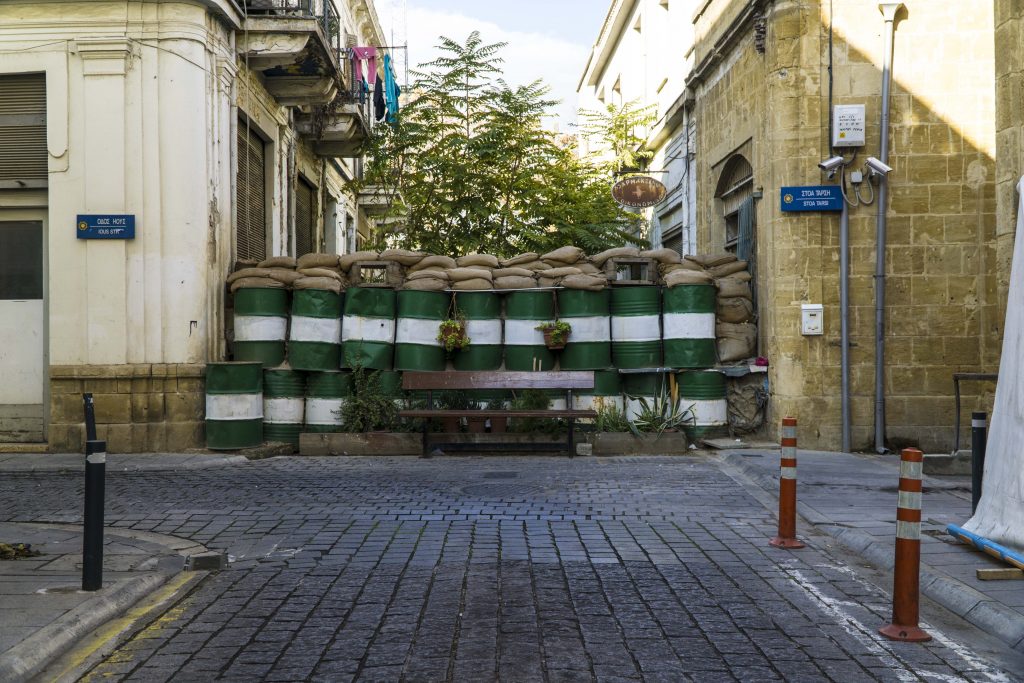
(106, 227)
(811, 198)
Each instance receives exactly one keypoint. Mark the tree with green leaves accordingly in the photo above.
(471, 167)
(617, 129)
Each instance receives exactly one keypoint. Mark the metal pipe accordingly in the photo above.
(979, 439)
(888, 10)
(844, 318)
(92, 525)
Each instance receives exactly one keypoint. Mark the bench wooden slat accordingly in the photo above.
(440, 381)
(497, 413)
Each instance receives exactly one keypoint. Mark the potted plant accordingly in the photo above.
(555, 334)
(452, 334)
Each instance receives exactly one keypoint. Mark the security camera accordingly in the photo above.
(830, 165)
(877, 167)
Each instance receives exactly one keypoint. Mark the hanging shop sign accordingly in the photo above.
(638, 191)
(106, 226)
(811, 198)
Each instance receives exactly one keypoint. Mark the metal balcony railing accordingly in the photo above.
(323, 11)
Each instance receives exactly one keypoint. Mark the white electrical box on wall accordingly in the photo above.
(848, 125)
(812, 319)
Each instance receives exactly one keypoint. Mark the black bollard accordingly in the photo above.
(90, 417)
(979, 439)
(92, 541)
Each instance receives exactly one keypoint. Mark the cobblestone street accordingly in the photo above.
(480, 569)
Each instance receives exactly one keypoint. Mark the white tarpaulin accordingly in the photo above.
(1000, 514)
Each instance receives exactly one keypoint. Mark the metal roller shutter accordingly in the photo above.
(251, 231)
(304, 206)
(23, 158)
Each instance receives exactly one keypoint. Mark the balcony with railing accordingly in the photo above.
(295, 44)
(340, 128)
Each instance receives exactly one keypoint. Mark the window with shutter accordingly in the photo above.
(23, 157)
(304, 217)
(251, 231)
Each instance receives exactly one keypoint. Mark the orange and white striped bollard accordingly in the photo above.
(787, 488)
(906, 575)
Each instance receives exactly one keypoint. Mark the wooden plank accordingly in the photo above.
(999, 574)
(497, 413)
(439, 381)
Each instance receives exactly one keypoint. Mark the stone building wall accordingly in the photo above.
(1009, 45)
(943, 310)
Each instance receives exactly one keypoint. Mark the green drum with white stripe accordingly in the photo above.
(260, 322)
(689, 326)
(314, 340)
(704, 393)
(419, 318)
(326, 393)
(646, 385)
(524, 344)
(482, 311)
(234, 405)
(284, 405)
(590, 342)
(636, 327)
(368, 328)
(607, 391)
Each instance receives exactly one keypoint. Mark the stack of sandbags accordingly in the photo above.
(514, 277)
(429, 273)
(404, 257)
(735, 330)
(345, 263)
(320, 271)
(619, 252)
(736, 341)
(256, 278)
(471, 278)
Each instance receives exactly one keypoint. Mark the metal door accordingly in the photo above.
(22, 330)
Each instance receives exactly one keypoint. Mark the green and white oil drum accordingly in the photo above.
(368, 328)
(647, 386)
(524, 344)
(636, 327)
(314, 339)
(607, 391)
(482, 311)
(261, 323)
(704, 393)
(326, 393)
(689, 326)
(284, 405)
(419, 317)
(590, 342)
(234, 405)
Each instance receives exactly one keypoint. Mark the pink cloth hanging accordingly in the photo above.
(369, 54)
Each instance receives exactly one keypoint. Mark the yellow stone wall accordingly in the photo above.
(943, 308)
(1009, 45)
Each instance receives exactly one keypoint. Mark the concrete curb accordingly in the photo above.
(31, 655)
(973, 606)
(68, 462)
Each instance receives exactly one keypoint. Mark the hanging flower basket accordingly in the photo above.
(556, 334)
(452, 334)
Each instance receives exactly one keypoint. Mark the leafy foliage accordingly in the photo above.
(660, 414)
(533, 399)
(610, 418)
(369, 409)
(451, 333)
(615, 128)
(469, 166)
(558, 331)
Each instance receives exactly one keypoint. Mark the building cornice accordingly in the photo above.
(732, 33)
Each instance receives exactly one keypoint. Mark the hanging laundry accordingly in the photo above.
(391, 90)
(379, 107)
(369, 55)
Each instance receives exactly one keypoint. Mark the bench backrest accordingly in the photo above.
(438, 381)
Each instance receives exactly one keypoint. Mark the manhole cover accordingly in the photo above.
(499, 490)
(500, 475)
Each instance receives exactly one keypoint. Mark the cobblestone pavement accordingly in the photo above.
(481, 569)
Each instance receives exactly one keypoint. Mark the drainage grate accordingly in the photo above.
(500, 490)
(500, 475)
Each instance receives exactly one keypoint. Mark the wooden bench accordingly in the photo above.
(448, 381)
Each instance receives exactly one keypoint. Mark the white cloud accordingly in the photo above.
(527, 57)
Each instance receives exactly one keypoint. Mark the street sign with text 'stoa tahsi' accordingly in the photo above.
(811, 198)
(638, 191)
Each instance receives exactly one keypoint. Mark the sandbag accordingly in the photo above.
(589, 269)
(617, 252)
(255, 283)
(317, 261)
(435, 273)
(711, 260)
(473, 283)
(535, 265)
(445, 262)
(520, 259)
(687, 277)
(666, 268)
(426, 284)
(734, 309)
(404, 256)
(685, 263)
(512, 272)
(728, 269)
(548, 281)
(567, 255)
(248, 272)
(736, 341)
(662, 255)
(592, 283)
(278, 262)
(326, 283)
(564, 271)
(485, 260)
(284, 275)
(514, 282)
(346, 261)
(460, 274)
(321, 272)
(730, 286)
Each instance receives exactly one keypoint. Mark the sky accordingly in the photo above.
(547, 39)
